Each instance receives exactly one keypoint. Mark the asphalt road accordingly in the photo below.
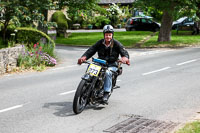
(160, 84)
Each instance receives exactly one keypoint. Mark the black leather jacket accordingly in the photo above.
(110, 54)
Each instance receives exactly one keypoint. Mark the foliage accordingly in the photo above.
(126, 13)
(114, 13)
(23, 12)
(169, 10)
(36, 57)
(10, 30)
(101, 21)
(85, 16)
(177, 9)
(158, 6)
(81, 17)
(2, 44)
(99, 10)
(61, 20)
(29, 36)
(78, 4)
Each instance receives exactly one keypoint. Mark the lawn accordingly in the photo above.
(131, 39)
(183, 38)
(126, 38)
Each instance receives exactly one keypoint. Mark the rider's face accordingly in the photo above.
(108, 37)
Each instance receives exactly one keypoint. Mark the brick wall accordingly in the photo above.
(8, 58)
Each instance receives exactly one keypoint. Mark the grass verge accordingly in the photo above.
(193, 127)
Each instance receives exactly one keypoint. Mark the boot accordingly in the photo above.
(105, 97)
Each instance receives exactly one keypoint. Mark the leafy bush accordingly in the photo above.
(2, 44)
(61, 20)
(10, 29)
(101, 21)
(30, 36)
(114, 13)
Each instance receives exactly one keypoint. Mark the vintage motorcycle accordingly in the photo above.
(90, 90)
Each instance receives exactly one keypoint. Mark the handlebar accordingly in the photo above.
(103, 62)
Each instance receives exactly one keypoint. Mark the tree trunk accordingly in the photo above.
(198, 14)
(166, 25)
(4, 30)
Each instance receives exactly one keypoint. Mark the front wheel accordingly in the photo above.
(80, 98)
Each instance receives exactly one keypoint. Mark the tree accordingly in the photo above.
(169, 10)
(81, 4)
(23, 12)
(79, 11)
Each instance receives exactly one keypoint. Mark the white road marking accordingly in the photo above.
(68, 92)
(11, 108)
(186, 62)
(165, 68)
(72, 66)
(149, 52)
(58, 68)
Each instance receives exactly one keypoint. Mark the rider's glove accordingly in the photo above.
(81, 60)
(125, 60)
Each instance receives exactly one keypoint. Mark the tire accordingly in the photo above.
(127, 29)
(133, 29)
(156, 29)
(80, 98)
(114, 80)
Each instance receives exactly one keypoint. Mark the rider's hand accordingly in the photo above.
(81, 60)
(125, 60)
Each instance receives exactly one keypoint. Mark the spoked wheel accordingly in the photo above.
(80, 98)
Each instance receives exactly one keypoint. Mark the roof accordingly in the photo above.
(116, 1)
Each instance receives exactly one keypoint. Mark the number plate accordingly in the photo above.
(93, 69)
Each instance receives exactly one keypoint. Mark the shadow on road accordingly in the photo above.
(63, 109)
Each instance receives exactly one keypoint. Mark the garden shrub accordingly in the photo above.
(37, 57)
(30, 36)
(101, 21)
(2, 44)
(10, 29)
(61, 20)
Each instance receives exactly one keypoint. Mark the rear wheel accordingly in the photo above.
(80, 98)
(156, 29)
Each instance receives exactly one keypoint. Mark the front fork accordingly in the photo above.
(91, 80)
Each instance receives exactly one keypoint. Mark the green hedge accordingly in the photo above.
(31, 36)
(60, 19)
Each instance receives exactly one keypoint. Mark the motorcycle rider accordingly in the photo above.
(108, 49)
